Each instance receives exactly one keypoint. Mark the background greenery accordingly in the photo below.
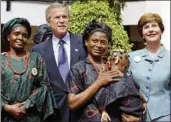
(107, 11)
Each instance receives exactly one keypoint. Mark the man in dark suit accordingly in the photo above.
(60, 52)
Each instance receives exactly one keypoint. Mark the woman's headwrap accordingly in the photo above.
(42, 33)
(94, 26)
(13, 23)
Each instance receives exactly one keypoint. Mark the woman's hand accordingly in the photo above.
(105, 117)
(144, 103)
(15, 110)
(108, 77)
(22, 109)
(145, 107)
(129, 118)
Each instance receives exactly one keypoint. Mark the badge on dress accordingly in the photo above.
(34, 71)
(137, 59)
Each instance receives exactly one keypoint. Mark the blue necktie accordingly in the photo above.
(63, 61)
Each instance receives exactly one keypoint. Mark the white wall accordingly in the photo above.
(165, 13)
(33, 11)
(132, 12)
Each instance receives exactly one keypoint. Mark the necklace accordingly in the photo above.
(95, 67)
(26, 62)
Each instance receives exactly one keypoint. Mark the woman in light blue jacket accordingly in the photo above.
(150, 68)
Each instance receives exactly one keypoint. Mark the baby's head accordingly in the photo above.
(119, 61)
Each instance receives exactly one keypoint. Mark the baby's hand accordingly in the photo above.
(105, 117)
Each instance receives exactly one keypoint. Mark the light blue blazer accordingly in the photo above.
(153, 76)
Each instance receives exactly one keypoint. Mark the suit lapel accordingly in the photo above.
(74, 49)
(49, 53)
(51, 63)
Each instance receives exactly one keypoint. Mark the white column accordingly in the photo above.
(165, 14)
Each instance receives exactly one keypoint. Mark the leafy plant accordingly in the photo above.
(82, 12)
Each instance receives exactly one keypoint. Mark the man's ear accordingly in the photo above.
(48, 24)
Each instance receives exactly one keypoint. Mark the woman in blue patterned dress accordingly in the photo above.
(150, 68)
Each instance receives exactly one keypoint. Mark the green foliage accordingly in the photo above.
(83, 12)
(115, 5)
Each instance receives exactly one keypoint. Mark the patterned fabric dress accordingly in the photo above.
(83, 75)
(32, 87)
(113, 96)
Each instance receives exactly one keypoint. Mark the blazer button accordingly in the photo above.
(147, 87)
(151, 62)
(149, 70)
(148, 78)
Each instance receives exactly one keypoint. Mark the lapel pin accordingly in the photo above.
(76, 50)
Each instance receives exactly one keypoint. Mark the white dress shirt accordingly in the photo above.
(55, 43)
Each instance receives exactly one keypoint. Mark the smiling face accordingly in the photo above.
(151, 32)
(18, 38)
(97, 43)
(59, 21)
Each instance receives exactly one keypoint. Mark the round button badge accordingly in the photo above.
(137, 59)
(34, 71)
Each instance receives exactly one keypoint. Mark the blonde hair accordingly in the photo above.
(150, 17)
(52, 6)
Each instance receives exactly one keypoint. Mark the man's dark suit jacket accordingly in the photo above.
(59, 87)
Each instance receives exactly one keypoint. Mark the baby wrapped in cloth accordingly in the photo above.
(123, 96)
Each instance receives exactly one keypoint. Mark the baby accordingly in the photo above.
(120, 97)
